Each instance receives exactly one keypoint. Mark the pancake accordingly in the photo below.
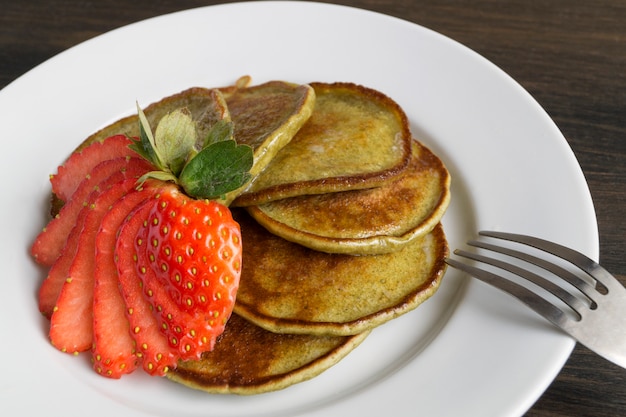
(288, 288)
(249, 360)
(267, 117)
(206, 106)
(371, 221)
(355, 138)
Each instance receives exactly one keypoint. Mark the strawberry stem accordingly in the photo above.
(220, 167)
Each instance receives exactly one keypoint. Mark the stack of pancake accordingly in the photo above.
(340, 224)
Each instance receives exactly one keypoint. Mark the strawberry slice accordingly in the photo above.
(52, 285)
(71, 324)
(58, 273)
(113, 350)
(156, 354)
(49, 243)
(81, 163)
(194, 251)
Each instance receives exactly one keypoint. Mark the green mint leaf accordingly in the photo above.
(222, 130)
(218, 169)
(175, 137)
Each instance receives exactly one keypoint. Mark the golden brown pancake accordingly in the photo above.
(249, 360)
(288, 288)
(371, 221)
(356, 138)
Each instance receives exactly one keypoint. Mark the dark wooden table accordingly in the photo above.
(569, 54)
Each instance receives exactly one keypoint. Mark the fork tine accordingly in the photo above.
(526, 296)
(576, 304)
(583, 286)
(578, 259)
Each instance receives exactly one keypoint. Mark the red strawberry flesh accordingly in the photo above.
(114, 351)
(49, 243)
(52, 285)
(71, 327)
(58, 273)
(80, 164)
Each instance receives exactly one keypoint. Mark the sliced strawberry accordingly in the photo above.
(113, 352)
(80, 164)
(59, 272)
(194, 249)
(71, 326)
(156, 354)
(49, 243)
(178, 260)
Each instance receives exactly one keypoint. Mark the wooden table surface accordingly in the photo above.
(569, 54)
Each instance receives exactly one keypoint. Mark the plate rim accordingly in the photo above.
(565, 345)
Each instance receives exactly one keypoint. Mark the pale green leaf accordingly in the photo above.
(146, 146)
(175, 138)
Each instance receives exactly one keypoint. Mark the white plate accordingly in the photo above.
(468, 351)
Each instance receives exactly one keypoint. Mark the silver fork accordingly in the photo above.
(596, 316)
